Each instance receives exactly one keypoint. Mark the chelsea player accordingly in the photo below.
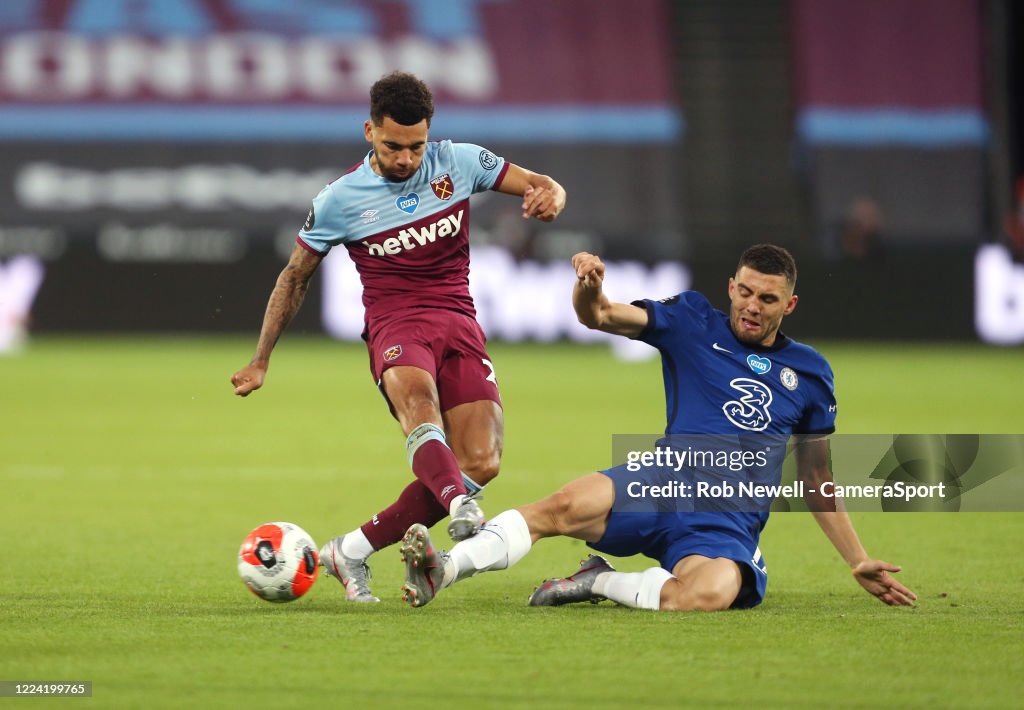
(402, 213)
(731, 376)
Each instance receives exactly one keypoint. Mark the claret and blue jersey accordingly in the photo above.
(409, 240)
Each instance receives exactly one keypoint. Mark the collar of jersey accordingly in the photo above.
(366, 162)
(781, 341)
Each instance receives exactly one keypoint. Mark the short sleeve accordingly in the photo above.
(671, 318)
(323, 226)
(819, 416)
(481, 166)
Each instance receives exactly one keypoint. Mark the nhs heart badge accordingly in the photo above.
(408, 203)
(759, 364)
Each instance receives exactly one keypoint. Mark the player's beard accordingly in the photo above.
(390, 173)
(753, 338)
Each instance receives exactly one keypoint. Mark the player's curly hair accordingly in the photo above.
(401, 97)
(769, 259)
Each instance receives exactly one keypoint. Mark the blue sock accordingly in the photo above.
(472, 487)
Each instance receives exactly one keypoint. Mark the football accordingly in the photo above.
(278, 562)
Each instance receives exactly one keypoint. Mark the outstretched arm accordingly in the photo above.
(813, 466)
(594, 309)
(543, 198)
(285, 300)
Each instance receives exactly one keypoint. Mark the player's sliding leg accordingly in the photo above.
(697, 583)
(424, 566)
(701, 583)
(597, 580)
(500, 544)
(578, 587)
(578, 510)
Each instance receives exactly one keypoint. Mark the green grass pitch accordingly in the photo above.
(129, 474)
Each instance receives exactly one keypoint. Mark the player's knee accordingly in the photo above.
(712, 598)
(481, 464)
(418, 407)
(424, 406)
(712, 594)
(560, 506)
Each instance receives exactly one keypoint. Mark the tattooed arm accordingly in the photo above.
(284, 303)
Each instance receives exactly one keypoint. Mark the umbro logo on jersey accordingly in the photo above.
(408, 203)
(720, 349)
(370, 216)
(412, 237)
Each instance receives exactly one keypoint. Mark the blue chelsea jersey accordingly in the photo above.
(715, 384)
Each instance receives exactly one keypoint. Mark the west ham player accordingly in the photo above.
(730, 376)
(403, 215)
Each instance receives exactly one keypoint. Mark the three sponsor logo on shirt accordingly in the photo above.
(751, 410)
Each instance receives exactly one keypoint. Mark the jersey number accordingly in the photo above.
(490, 366)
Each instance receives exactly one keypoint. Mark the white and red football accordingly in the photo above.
(278, 562)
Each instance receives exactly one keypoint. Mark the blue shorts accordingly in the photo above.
(670, 536)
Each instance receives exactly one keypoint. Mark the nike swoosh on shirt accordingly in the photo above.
(720, 349)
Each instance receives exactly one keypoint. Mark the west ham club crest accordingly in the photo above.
(443, 187)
